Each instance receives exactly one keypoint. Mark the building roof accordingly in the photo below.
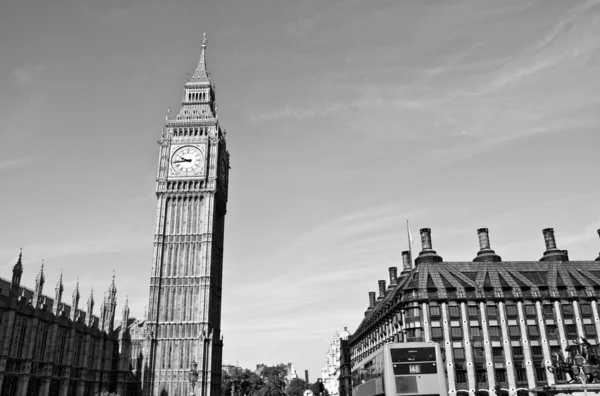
(433, 279)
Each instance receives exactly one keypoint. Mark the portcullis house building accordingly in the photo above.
(498, 322)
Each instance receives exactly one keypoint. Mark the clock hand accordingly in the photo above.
(183, 160)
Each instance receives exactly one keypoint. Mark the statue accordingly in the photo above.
(582, 363)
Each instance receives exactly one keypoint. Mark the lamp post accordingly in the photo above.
(193, 375)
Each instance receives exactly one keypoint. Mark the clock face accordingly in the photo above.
(187, 160)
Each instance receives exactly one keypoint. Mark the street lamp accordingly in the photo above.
(193, 375)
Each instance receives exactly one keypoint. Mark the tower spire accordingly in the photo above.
(59, 289)
(17, 271)
(90, 307)
(40, 279)
(201, 73)
(76, 296)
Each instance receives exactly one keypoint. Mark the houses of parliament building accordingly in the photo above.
(51, 348)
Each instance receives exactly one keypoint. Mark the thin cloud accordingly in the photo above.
(15, 162)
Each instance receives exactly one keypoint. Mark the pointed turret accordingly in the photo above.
(17, 272)
(103, 314)
(76, 296)
(201, 74)
(110, 306)
(40, 279)
(58, 290)
(112, 290)
(125, 317)
(198, 102)
(90, 308)
(90, 303)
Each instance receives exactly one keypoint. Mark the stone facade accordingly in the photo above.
(330, 373)
(184, 314)
(497, 322)
(50, 348)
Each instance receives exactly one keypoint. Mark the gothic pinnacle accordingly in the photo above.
(76, 296)
(201, 74)
(19, 265)
(41, 276)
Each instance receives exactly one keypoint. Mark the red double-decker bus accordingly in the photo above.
(401, 369)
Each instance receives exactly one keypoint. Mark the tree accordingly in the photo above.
(296, 387)
(317, 388)
(274, 377)
(241, 382)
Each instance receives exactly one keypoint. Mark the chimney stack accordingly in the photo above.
(598, 259)
(485, 252)
(552, 253)
(427, 255)
(393, 276)
(381, 288)
(406, 261)
(549, 238)
(371, 300)
(426, 238)
(484, 238)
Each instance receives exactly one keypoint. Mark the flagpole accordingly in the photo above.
(409, 243)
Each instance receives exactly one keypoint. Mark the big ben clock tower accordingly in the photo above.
(184, 314)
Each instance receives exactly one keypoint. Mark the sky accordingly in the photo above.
(344, 119)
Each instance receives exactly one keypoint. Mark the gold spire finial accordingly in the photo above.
(204, 40)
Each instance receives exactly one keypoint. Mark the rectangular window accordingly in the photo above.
(459, 353)
(533, 331)
(552, 331)
(548, 311)
(514, 331)
(494, 331)
(544, 291)
(540, 374)
(434, 312)
(437, 333)
(536, 350)
(473, 312)
(571, 330)
(492, 312)
(517, 351)
(511, 311)
(586, 310)
(481, 376)
(521, 375)
(454, 311)
(475, 332)
(456, 332)
(497, 352)
(567, 310)
(411, 312)
(461, 377)
(590, 330)
(479, 352)
(529, 310)
(501, 375)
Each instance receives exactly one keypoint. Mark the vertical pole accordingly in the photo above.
(409, 243)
